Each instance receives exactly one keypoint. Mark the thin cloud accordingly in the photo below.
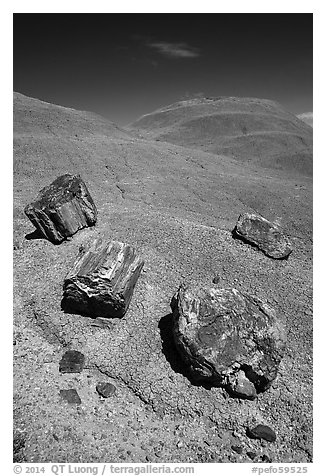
(175, 50)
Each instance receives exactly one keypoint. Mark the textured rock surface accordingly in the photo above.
(102, 280)
(62, 208)
(263, 234)
(72, 362)
(228, 338)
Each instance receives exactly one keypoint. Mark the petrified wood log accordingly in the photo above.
(62, 208)
(228, 338)
(260, 232)
(102, 280)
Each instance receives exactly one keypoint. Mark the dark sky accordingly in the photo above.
(126, 65)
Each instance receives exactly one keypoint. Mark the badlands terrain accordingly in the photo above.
(172, 185)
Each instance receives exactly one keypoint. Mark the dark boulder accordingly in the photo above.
(258, 231)
(228, 338)
(62, 208)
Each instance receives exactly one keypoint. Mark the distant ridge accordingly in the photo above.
(251, 130)
(306, 117)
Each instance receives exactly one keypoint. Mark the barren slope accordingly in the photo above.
(250, 130)
(307, 117)
(177, 206)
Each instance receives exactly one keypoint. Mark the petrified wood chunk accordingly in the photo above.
(105, 389)
(260, 232)
(228, 338)
(102, 280)
(62, 208)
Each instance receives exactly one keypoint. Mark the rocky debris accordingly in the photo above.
(72, 362)
(105, 389)
(62, 208)
(16, 245)
(237, 449)
(102, 280)
(262, 432)
(258, 231)
(102, 323)
(71, 396)
(228, 338)
(241, 386)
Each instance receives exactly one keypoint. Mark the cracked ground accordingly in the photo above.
(177, 207)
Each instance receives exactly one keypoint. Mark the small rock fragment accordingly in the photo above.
(102, 280)
(19, 444)
(71, 396)
(237, 449)
(266, 459)
(241, 387)
(72, 361)
(262, 432)
(228, 338)
(16, 245)
(105, 389)
(260, 232)
(252, 455)
(62, 208)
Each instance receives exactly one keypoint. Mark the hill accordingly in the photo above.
(306, 117)
(251, 130)
(177, 206)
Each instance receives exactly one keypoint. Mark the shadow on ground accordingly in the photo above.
(172, 355)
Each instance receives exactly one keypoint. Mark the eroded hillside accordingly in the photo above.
(177, 206)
